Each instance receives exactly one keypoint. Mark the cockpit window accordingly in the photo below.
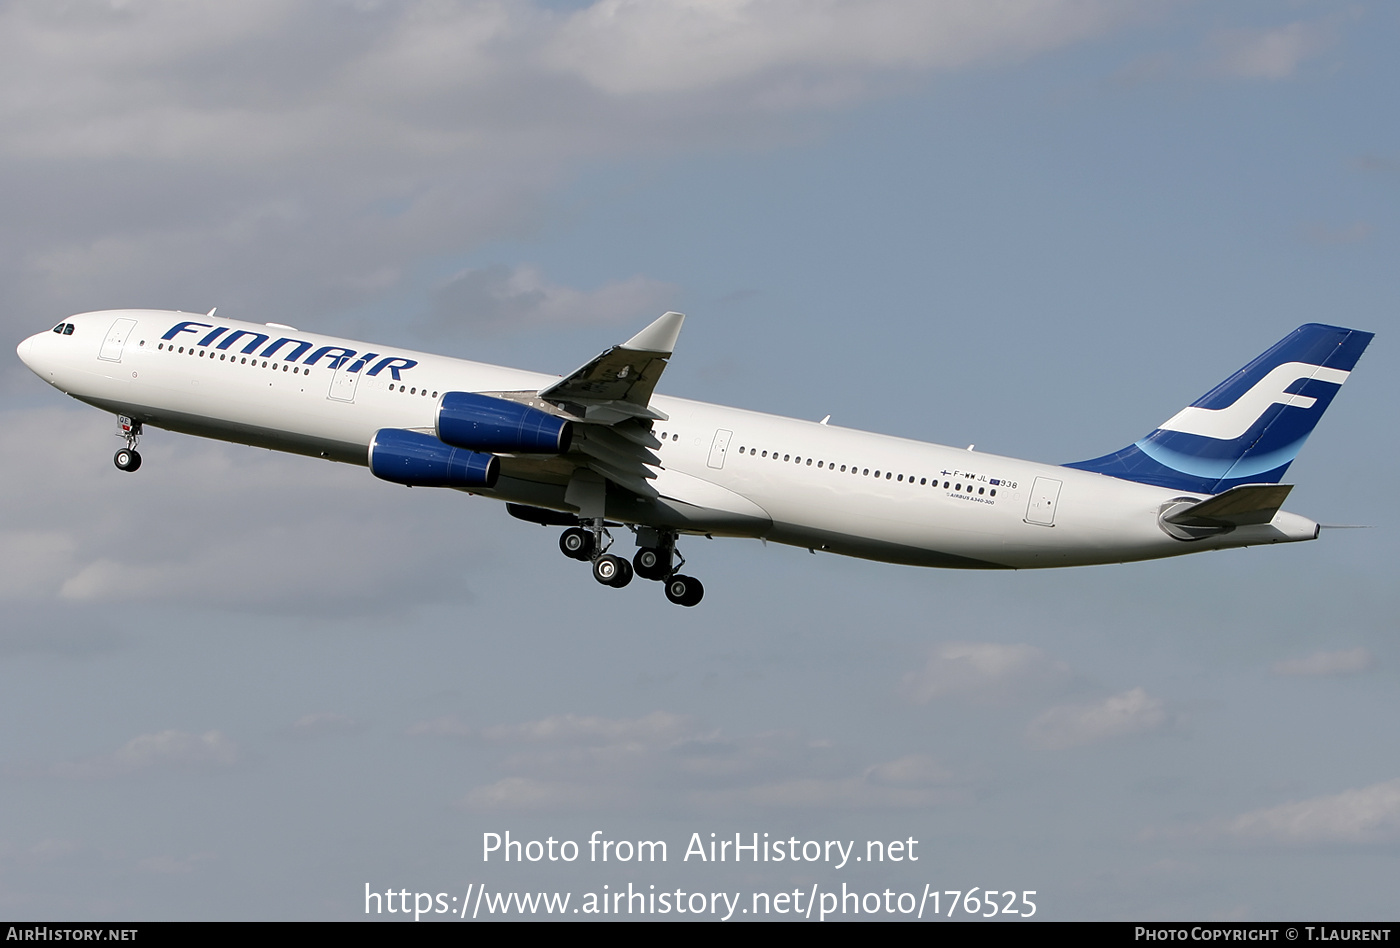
(59, 328)
(64, 329)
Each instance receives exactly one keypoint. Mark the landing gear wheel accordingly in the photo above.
(612, 571)
(651, 563)
(684, 590)
(127, 460)
(576, 544)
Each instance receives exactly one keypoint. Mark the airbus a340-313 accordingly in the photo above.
(597, 450)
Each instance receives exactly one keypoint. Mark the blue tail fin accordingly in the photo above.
(1249, 428)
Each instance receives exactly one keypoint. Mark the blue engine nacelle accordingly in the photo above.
(482, 423)
(420, 460)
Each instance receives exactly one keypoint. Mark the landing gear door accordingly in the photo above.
(343, 384)
(116, 338)
(719, 448)
(1045, 494)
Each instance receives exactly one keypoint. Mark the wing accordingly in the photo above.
(611, 395)
(608, 399)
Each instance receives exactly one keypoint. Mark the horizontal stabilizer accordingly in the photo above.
(1242, 506)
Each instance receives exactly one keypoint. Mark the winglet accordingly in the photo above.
(660, 336)
(617, 385)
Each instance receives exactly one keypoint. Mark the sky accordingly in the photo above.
(242, 685)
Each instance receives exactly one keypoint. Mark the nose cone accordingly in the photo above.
(25, 350)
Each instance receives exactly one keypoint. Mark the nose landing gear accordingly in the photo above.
(128, 458)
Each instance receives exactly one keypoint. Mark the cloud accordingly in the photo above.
(1366, 816)
(167, 864)
(167, 750)
(324, 724)
(225, 526)
(656, 728)
(513, 298)
(1353, 233)
(641, 47)
(1122, 715)
(985, 672)
(1271, 53)
(446, 726)
(1327, 664)
(1376, 164)
(663, 761)
(283, 160)
(912, 781)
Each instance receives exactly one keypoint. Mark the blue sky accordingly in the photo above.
(241, 685)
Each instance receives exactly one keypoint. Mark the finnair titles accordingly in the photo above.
(598, 452)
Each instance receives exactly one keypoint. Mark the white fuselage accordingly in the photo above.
(724, 471)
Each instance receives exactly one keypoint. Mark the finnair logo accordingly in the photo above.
(1229, 423)
(335, 356)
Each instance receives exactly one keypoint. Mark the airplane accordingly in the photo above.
(597, 449)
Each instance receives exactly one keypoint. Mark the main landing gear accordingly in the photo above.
(656, 559)
(128, 458)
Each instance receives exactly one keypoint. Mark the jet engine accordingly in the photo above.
(420, 460)
(483, 423)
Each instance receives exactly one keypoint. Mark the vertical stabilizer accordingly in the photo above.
(1249, 428)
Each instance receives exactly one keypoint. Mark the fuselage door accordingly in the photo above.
(719, 447)
(1045, 494)
(343, 384)
(116, 338)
